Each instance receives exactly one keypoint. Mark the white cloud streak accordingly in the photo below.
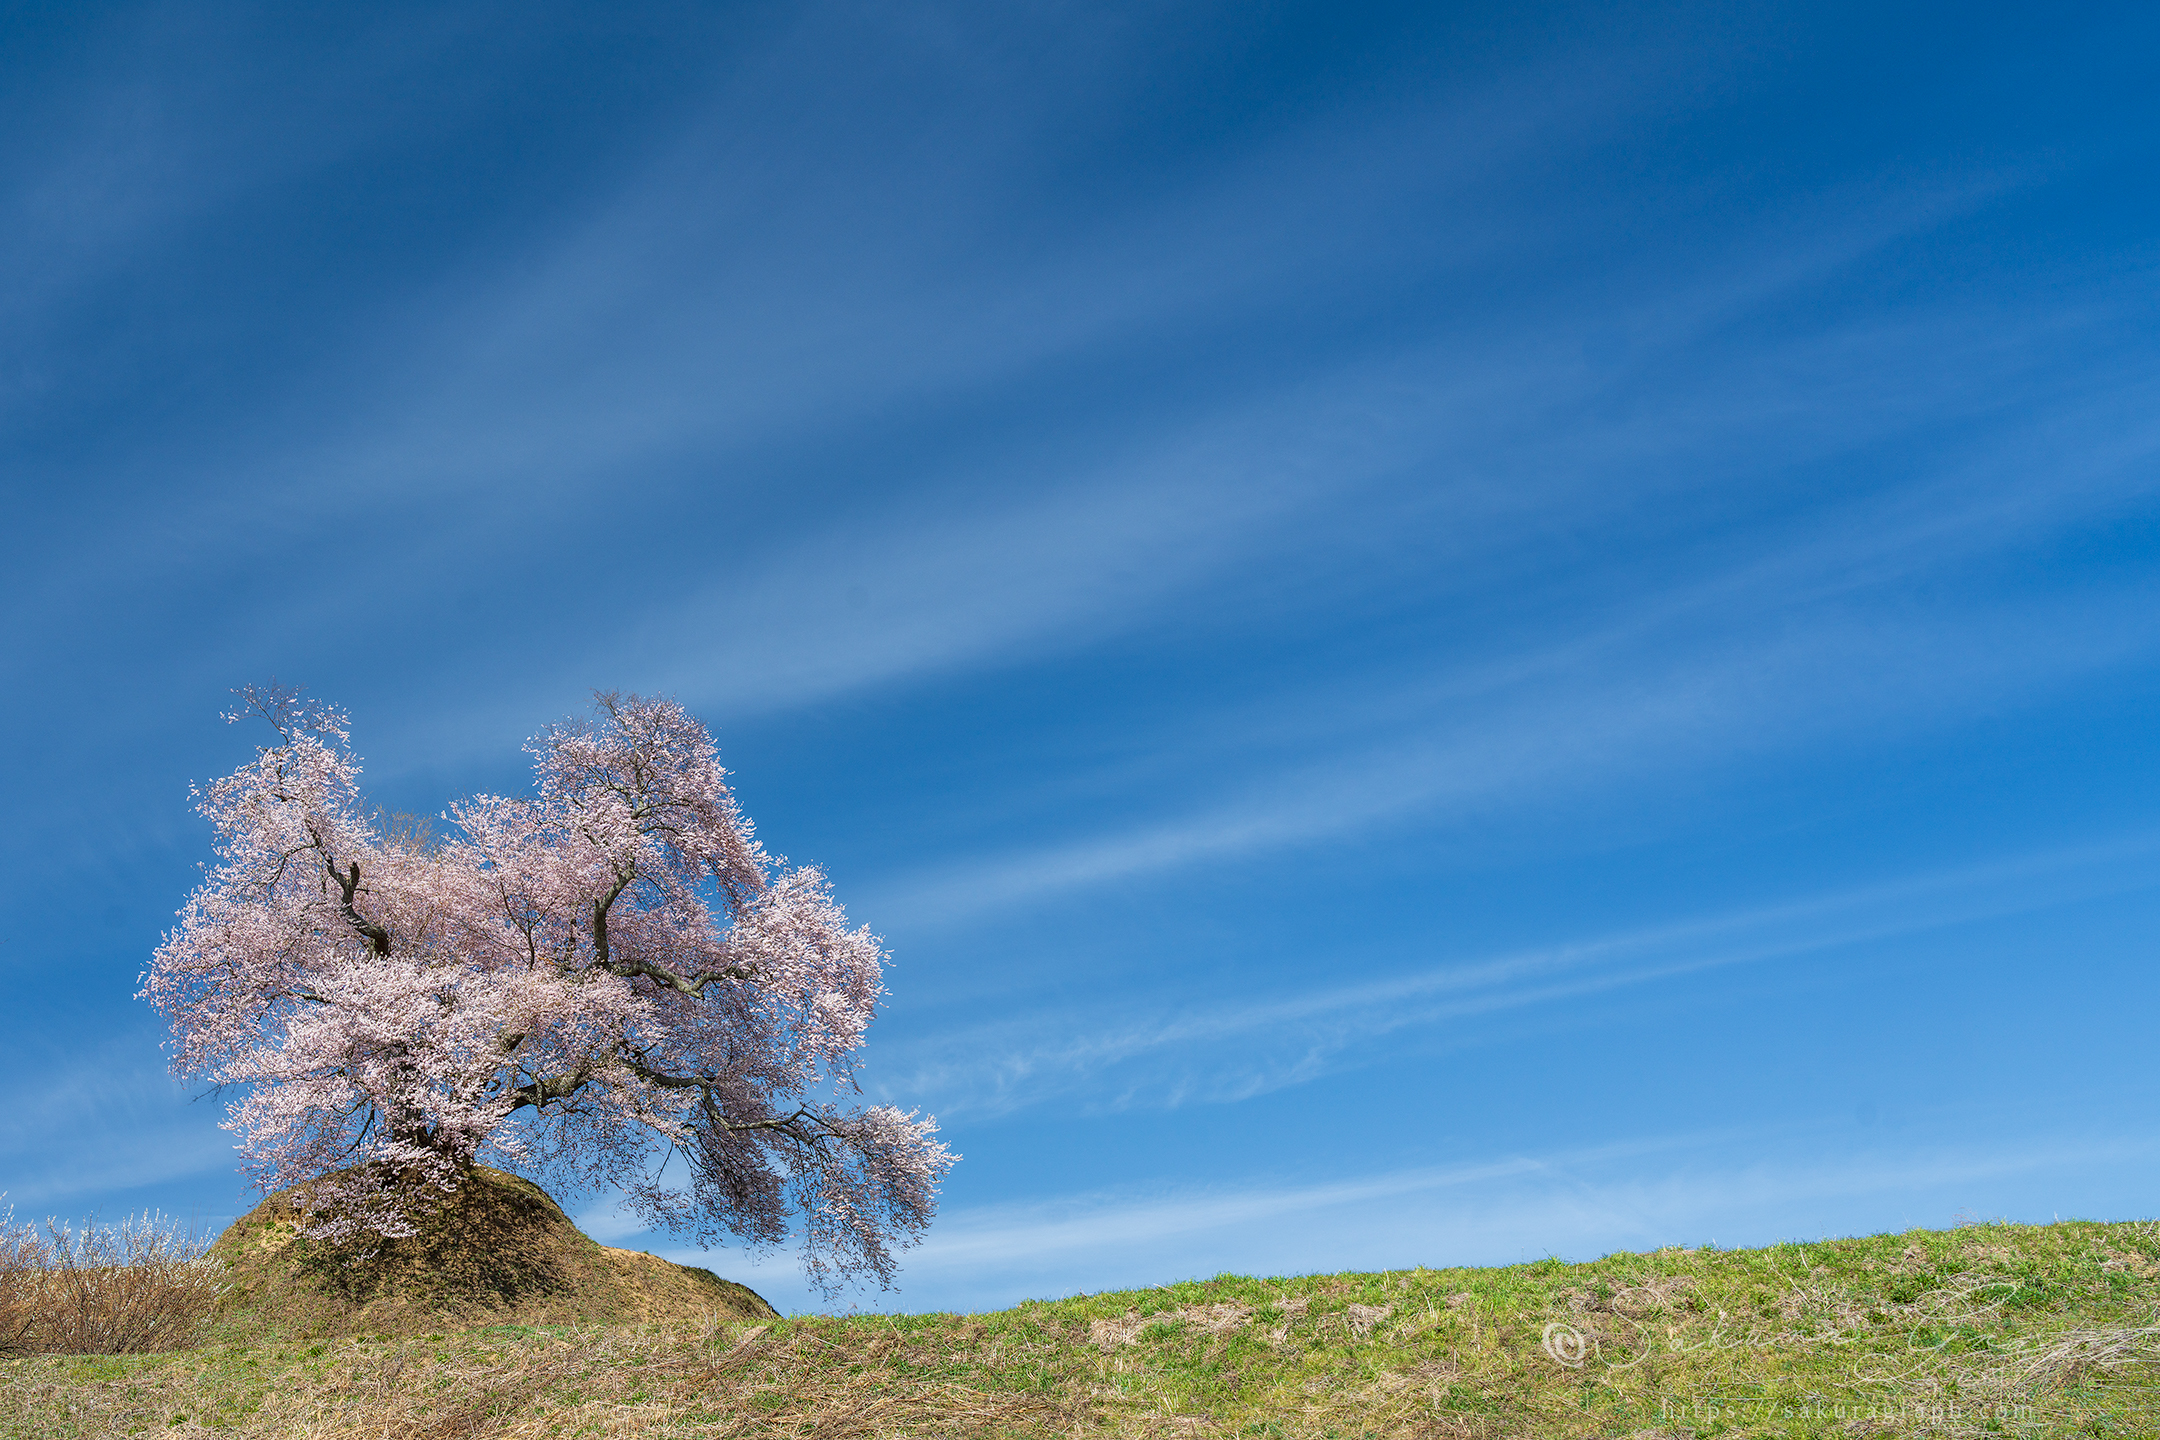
(1547, 731)
(1222, 1054)
(646, 345)
(100, 1123)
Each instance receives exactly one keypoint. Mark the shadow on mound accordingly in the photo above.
(498, 1252)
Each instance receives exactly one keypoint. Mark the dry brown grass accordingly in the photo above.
(138, 1287)
(817, 1381)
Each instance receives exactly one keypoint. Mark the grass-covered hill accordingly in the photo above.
(501, 1251)
(1988, 1329)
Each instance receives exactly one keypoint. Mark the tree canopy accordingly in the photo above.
(609, 981)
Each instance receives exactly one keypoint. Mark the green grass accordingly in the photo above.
(1990, 1329)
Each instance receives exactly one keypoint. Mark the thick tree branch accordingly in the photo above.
(798, 1126)
(378, 938)
(603, 953)
(687, 984)
(541, 1089)
(600, 910)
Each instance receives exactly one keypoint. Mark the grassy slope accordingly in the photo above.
(501, 1251)
(2038, 1330)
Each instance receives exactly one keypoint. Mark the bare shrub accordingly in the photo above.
(22, 1271)
(138, 1286)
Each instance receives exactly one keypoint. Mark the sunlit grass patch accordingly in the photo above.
(1996, 1329)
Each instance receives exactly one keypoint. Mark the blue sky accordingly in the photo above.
(1435, 635)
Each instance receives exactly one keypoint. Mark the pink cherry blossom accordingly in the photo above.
(607, 982)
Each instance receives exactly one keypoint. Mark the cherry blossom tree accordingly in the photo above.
(608, 981)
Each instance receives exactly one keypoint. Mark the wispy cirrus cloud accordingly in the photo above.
(1210, 1054)
(624, 350)
(1873, 615)
(83, 1125)
(1481, 448)
(1585, 723)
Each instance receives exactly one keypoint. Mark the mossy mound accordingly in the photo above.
(498, 1252)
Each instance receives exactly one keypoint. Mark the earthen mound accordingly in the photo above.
(498, 1252)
